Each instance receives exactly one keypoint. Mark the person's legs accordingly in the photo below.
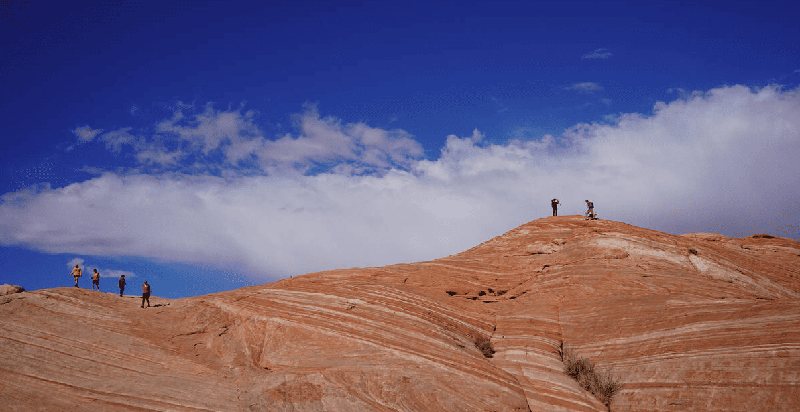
(76, 281)
(555, 211)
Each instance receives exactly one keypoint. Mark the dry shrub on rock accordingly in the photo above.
(602, 384)
(484, 345)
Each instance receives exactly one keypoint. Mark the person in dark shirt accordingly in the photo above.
(122, 285)
(554, 203)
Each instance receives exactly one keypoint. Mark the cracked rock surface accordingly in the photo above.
(692, 322)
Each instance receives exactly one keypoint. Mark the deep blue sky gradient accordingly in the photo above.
(430, 68)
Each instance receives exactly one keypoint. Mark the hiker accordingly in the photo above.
(76, 273)
(145, 294)
(589, 210)
(96, 280)
(554, 203)
(122, 285)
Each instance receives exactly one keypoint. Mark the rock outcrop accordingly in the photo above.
(7, 289)
(694, 322)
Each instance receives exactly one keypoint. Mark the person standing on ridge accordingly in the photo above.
(122, 285)
(554, 203)
(145, 294)
(76, 273)
(96, 280)
(589, 210)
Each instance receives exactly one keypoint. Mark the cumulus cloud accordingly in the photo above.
(111, 273)
(86, 134)
(194, 142)
(587, 87)
(104, 273)
(598, 54)
(722, 161)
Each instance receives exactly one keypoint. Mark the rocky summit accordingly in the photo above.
(697, 322)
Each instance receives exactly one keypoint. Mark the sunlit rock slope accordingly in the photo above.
(696, 322)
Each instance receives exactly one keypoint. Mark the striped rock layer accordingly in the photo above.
(694, 322)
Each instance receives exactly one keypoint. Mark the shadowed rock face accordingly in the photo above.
(694, 322)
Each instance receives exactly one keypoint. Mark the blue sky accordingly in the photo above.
(207, 146)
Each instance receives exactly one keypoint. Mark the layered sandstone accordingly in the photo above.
(692, 322)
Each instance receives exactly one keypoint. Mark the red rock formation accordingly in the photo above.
(694, 322)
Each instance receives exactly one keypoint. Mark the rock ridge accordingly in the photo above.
(691, 322)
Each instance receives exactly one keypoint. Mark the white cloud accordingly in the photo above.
(587, 87)
(117, 139)
(25, 194)
(598, 54)
(237, 138)
(111, 273)
(721, 160)
(104, 273)
(86, 134)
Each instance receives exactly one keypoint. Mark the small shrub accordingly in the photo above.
(693, 251)
(501, 292)
(484, 345)
(602, 384)
(764, 236)
(482, 293)
(450, 292)
(490, 290)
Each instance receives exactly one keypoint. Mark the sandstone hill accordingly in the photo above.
(697, 322)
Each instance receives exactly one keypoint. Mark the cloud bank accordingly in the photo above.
(341, 195)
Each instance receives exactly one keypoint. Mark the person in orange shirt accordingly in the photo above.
(76, 273)
(145, 294)
(96, 280)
